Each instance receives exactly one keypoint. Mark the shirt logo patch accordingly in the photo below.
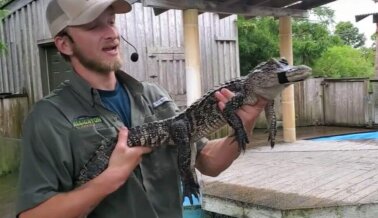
(86, 121)
(160, 101)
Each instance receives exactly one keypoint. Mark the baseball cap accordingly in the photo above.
(63, 13)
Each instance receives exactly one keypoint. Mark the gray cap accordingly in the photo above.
(63, 13)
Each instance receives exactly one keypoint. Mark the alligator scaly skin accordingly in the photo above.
(204, 117)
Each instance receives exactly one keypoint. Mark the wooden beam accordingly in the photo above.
(158, 11)
(214, 6)
(305, 5)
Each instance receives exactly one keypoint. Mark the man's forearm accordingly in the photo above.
(78, 202)
(217, 155)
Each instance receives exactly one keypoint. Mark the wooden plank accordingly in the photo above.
(18, 54)
(214, 6)
(163, 31)
(171, 28)
(3, 61)
(8, 77)
(37, 19)
(179, 28)
(25, 52)
(29, 66)
(140, 40)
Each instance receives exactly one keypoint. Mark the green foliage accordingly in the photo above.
(3, 13)
(350, 34)
(330, 54)
(343, 61)
(258, 40)
(3, 2)
(311, 40)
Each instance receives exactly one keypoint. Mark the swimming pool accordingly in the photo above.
(371, 135)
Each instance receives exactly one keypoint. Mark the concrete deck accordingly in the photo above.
(301, 179)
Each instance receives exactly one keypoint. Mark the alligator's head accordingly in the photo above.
(269, 78)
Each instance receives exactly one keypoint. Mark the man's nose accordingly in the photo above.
(111, 32)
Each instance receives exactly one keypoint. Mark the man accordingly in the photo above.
(64, 129)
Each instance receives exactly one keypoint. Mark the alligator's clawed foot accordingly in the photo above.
(190, 190)
(271, 140)
(242, 139)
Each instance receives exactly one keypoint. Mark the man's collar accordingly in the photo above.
(83, 88)
(131, 83)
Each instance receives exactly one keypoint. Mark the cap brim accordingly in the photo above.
(89, 15)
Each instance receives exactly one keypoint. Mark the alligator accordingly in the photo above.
(204, 117)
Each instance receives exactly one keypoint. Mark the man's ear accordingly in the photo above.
(64, 45)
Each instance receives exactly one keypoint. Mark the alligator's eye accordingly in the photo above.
(284, 61)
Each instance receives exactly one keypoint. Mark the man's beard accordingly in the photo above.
(99, 66)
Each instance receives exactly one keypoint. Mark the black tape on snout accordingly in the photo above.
(282, 78)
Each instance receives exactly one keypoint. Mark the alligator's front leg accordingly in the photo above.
(271, 119)
(186, 159)
(229, 113)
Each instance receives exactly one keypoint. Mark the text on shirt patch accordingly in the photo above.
(81, 122)
(160, 101)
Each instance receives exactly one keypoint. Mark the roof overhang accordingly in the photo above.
(249, 8)
(363, 16)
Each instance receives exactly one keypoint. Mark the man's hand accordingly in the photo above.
(124, 159)
(217, 155)
(247, 113)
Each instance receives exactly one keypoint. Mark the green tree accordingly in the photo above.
(343, 61)
(350, 34)
(311, 40)
(258, 40)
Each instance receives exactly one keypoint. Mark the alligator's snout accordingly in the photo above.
(298, 73)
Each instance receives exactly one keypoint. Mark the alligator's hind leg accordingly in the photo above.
(186, 159)
(229, 113)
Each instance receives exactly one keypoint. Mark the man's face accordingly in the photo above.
(96, 44)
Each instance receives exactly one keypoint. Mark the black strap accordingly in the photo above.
(282, 78)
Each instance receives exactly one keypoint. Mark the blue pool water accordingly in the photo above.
(192, 211)
(355, 136)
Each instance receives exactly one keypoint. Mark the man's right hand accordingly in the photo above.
(124, 159)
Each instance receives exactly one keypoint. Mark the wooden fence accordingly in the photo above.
(346, 102)
(333, 102)
(13, 109)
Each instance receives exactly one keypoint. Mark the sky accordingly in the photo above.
(346, 10)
